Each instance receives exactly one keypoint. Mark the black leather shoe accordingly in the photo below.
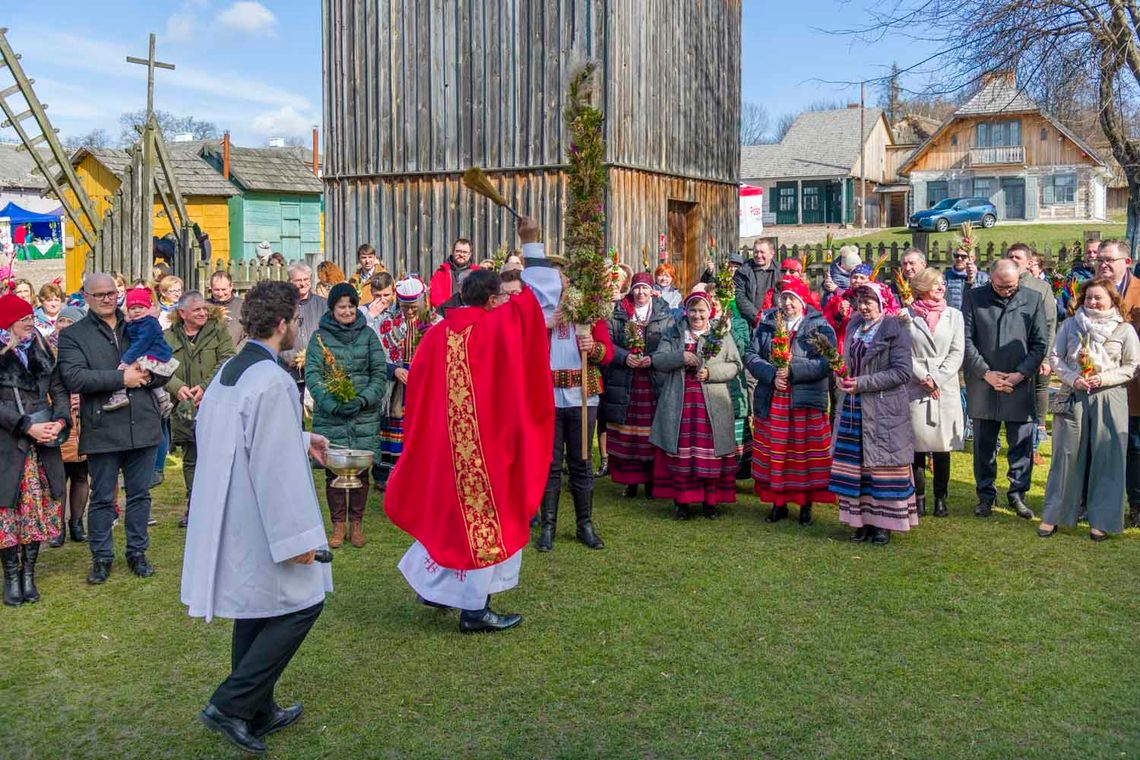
(1098, 537)
(488, 622)
(921, 501)
(880, 536)
(940, 509)
(775, 514)
(282, 717)
(983, 509)
(1017, 504)
(100, 570)
(710, 512)
(805, 514)
(77, 534)
(13, 590)
(548, 517)
(57, 542)
(28, 570)
(861, 534)
(140, 566)
(1046, 533)
(681, 512)
(234, 729)
(583, 515)
(630, 491)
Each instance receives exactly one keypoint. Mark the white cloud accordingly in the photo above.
(180, 26)
(250, 17)
(283, 122)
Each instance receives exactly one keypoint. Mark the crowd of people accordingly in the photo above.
(850, 393)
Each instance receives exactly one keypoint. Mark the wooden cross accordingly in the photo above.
(151, 64)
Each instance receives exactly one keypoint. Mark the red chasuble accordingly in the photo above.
(480, 412)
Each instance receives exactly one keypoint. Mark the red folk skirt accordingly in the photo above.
(631, 453)
(791, 454)
(695, 474)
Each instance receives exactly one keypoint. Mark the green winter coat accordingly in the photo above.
(357, 351)
(198, 360)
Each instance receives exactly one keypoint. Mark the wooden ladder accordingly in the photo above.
(55, 167)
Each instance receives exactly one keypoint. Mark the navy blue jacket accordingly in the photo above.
(807, 371)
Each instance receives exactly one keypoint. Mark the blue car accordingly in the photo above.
(952, 212)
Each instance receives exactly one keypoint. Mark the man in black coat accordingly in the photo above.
(753, 281)
(1006, 341)
(122, 440)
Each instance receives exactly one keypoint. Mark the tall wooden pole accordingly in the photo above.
(862, 156)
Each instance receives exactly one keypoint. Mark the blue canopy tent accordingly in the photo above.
(43, 235)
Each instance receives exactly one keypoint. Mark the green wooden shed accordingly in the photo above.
(280, 201)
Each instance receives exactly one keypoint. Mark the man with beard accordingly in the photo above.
(255, 524)
(447, 281)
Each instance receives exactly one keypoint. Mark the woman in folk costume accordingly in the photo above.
(343, 348)
(838, 311)
(636, 327)
(693, 430)
(874, 446)
(1095, 354)
(791, 454)
(34, 418)
(939, 345)
(400, 334)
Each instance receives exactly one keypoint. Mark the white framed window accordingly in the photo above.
(1060, 188)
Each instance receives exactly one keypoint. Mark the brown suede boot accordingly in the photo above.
(336, 540)
(357, 538)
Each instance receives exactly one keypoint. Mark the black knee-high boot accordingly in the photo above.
(13, 591)
(584, 511)
(548, 514)
(31, 552)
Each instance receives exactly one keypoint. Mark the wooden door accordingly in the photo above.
(684, 242)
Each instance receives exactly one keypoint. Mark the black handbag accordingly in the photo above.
(43, 415)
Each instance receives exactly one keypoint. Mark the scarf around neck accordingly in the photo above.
(20, 349)
(930, 311)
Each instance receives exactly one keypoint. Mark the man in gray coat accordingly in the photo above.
(309, 311)
(1021, 254)
(1006, 341)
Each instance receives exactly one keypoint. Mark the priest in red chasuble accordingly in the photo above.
(477, 449)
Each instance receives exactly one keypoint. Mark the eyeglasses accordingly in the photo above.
(103, 296)
(961, 256)
(1109, 262)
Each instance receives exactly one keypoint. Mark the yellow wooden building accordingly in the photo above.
(205, 193)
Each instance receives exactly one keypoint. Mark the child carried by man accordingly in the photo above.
(148, 349)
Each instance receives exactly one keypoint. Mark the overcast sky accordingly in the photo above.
(255, 67)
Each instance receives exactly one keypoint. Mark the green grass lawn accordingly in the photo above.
(1053, 235)
(735, 638)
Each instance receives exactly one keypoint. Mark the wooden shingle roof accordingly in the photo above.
(16, 170)
(274, 170)
(818, 144)
(194, 176)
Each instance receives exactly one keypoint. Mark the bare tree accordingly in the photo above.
(170, 124)
(754, 123)
(783, 124)
(1098, 40)
(891, 95)
(96, 138)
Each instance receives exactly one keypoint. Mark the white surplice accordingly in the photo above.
(254, 506)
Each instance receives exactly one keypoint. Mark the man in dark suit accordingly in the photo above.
(123, 440)
(1006, 341)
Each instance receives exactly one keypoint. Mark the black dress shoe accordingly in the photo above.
(140, 566)
(940, 509)
(429, 603)
(1017, 504)
(1046, 533)
(880, 536)
(630, 491)
(710, 512)
(100, 569)
(775, 514)
(77, 534)
(185, 520)
(983, 509)
(805, 514)
(57, 542)
(282, 717)
(861, 534)
(681, 512)
(234, 729)
(488, 622)
(1098, 537)
(920, 500)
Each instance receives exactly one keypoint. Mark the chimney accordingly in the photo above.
(226, 155)
(316, 152)
(853, 105)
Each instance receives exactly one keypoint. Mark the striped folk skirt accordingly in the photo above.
(695, 474)
(880, 497)
(631, 453)
(791, 454)
(392, 427)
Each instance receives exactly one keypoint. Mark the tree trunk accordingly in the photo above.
(1132, 231)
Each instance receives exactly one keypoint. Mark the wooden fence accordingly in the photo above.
(245, 274)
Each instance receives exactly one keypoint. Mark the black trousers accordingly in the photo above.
(1019, 437)
(568, 446)
(261, 649)
(941, 473)
(137, 466)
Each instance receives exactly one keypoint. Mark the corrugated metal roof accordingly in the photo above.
(819, 144)
(16, 169)
(276, 170)
(195, 177)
